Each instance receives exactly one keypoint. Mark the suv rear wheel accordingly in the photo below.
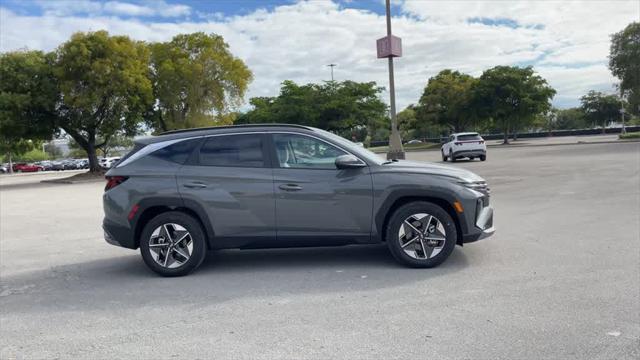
(421, 234)
(173, 244)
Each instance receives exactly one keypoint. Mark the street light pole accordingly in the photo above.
(395, 143)
(331, 66)
(623, 130)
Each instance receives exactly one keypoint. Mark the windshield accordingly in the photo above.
(360, 151)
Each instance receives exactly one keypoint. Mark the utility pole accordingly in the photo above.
(623, 130)
(390, 47)
(332, 66)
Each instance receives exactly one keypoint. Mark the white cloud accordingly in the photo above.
(92, 7)
(567, 42)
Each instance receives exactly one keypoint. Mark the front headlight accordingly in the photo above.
(479, 186)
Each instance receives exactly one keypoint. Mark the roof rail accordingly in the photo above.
(232, 127)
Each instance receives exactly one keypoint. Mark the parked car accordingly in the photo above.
(46, 165)
(4, 168)
(82, 163)
(464, 145)
(107, 163)
(57, 165)
(257, 186)
(414, 141)
(24, 167)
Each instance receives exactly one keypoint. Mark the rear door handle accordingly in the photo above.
(195, 185)
(290, 187)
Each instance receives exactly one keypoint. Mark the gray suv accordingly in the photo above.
(179, 194)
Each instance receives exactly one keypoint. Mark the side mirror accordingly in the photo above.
(349, 162)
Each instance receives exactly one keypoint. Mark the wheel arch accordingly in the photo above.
(151, 208)
(391, 205)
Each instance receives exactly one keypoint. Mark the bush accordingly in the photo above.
(32, 156)
(631, 135)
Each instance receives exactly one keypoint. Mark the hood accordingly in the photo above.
(432, 169)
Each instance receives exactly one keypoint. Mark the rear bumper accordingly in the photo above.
(465, 153)
(118, 235)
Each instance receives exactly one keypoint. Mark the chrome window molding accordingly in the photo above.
(162, 144)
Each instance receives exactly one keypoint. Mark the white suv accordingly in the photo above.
(469, 144)
(107, 163)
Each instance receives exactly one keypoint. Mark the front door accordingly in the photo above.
(315, 201)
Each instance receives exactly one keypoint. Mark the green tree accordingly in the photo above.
(512, 96)
(104, 88)
(343, 107)
(446, 100)
(624, 64)
(196, 81)
(117, 141)
(600, 108)
(572, 118)
(27, 101)
(408, 122)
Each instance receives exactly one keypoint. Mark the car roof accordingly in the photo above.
(466, 133)
(205, 131)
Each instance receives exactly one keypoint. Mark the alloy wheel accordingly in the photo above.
(422, 236)
(170, 245)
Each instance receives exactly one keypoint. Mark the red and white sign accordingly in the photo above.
(389, 46)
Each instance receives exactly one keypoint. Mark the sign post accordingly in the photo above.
(389, 47)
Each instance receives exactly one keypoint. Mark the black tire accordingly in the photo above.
(197, 234)
(444, 157)
(483, 157)
(397, 220)
(451, 157)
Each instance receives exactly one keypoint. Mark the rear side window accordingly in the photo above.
(469, 137)
(178, 152)
(232, 151)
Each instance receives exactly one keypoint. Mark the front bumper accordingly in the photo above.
(483, 227)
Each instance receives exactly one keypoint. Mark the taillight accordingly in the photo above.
(113, 181)
(481, 142)
(458, 143)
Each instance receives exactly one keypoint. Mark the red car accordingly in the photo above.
(23, 167)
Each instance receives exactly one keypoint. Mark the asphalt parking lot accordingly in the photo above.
(559, 280)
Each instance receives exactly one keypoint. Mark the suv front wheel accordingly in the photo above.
(173, 244)
(421, 234)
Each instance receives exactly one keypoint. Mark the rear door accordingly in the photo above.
(230, 177)
(315, 201)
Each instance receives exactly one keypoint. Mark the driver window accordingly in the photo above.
(303, 152)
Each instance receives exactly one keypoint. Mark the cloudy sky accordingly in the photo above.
(567, 42)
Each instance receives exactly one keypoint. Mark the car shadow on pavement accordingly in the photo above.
(126, 282)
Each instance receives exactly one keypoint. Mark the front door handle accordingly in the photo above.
(290, 187)
(195, 185)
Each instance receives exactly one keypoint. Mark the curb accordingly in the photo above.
(67, 181)
(570, 143)
(533, 145)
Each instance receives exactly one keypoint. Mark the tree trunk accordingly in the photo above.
(94, 166)
(10, 164)
(506, 136)
(89, 145)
